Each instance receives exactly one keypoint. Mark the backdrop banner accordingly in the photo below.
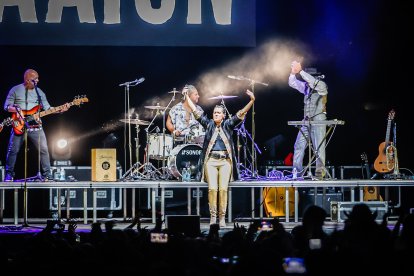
(128, 22)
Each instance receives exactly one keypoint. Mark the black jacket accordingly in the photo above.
(228, 126)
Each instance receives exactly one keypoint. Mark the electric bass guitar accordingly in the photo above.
(370, 192)
(6, 122)
(385, 161)
(33, 115)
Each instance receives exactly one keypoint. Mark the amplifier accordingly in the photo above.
(339, 210)
(307, 199)
(107, 198)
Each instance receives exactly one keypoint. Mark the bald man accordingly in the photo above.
(23, 99)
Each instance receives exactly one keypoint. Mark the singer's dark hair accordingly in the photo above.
(222, 108)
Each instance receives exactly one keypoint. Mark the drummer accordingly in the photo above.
(181, 122)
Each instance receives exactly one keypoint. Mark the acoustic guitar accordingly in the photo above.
(6, 122)
(370, 192)
(33, 115)
(385, 161)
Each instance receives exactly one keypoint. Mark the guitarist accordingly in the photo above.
(23, 100)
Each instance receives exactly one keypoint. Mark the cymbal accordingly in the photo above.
(174, 91)
(222, 97)
(135, 122)
(156, 107)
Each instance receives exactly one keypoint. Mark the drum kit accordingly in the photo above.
(175, 153)
(181, 153)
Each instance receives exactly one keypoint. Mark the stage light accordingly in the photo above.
(61, 152)
(62, 143)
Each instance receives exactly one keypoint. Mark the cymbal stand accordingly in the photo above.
(149, 170)
(225, 107)
(165, 172)
(133, 172)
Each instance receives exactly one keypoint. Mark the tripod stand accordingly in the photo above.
(133, 172)
(246, 172)
(149, 170)
(165, 171)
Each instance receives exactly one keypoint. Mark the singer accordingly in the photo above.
(21, 98)
(217, 164)
(315, 97)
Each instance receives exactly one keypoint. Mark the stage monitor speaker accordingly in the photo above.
(187, 225)
(103, 165)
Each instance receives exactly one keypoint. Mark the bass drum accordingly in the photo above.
(184, 156)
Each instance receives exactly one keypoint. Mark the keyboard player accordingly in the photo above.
(315, 93)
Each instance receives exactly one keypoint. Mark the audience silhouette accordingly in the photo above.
(362, 245)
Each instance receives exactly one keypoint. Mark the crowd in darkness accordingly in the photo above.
(361, 246)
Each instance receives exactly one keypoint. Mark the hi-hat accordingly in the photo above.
(174, 91)
(222, 97)
(157, 107)
(135, 122)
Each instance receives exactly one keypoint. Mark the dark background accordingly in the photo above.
(361, 46)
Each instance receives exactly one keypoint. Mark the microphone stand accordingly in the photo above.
(38, 176)
(25, 127)
(127, 118)
(253, 136)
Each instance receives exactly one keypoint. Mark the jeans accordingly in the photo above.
(16, 142)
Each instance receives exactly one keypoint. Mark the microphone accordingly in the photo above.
(235, 77)
(140, 80)
(135, 82)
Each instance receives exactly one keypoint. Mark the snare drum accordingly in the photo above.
(184, 156)
(156, 144)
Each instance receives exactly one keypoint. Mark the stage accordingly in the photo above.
(124, 201)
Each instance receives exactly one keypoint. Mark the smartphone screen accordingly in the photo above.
(294, 265)
(265, 226)
(159, 237)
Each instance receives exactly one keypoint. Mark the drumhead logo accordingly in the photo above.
(106, 165)
(191, 152)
